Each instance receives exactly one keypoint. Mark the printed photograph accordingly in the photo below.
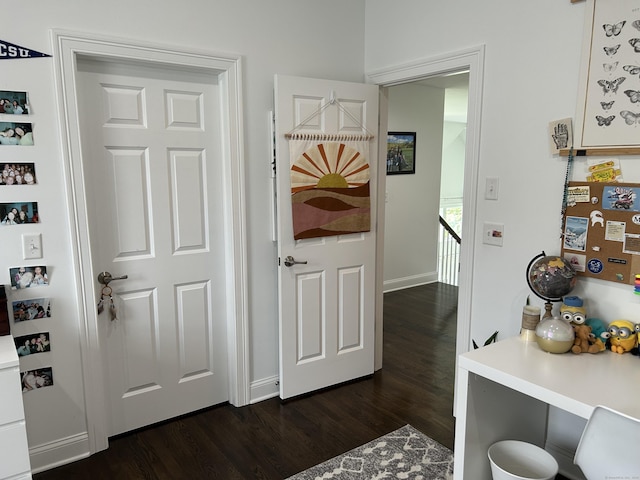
(577, 261)
(12, 133)
(25, 277)
(19, 212)
(31, 309)
(35, 379)
(621, 198)
(14, 103)
(32, 344)
(560, 135)
(575, 233)
(401, 152)
(18, 174)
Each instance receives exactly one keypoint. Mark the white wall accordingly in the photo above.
(531, 77)
(295, 37)
(527, 84)
(453, 151)
(411, 208)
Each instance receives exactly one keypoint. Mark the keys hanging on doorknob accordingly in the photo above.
(290, 262)
(105, 277)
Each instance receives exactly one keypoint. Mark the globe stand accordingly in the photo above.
(550, 278)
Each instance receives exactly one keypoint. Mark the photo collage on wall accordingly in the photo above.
(30, 314)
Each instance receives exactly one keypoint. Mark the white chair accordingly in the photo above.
(609, 444)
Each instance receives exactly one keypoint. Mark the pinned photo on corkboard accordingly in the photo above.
(19, 212)
(18, 174)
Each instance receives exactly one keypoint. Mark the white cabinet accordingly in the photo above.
(14, 450)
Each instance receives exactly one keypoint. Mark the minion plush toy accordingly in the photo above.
(623, 336)
(572, 310)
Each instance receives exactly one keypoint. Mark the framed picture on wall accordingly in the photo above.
(610, 112)
(401, 153)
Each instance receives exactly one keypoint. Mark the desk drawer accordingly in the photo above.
(14, 450)
(11, 408)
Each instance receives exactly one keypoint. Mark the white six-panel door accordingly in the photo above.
(151, 141)
(327, 306)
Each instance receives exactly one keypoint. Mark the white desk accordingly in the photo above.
(504, 391)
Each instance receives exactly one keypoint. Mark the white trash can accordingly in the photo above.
(515, 460)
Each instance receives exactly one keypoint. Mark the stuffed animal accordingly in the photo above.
(623, 336)
(599, 332)
(584, 341)
(572, 310)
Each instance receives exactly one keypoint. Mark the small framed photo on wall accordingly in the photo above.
(401, 153)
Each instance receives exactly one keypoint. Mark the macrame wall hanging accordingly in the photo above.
(330, 181)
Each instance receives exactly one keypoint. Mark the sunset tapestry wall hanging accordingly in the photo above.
(330, 188)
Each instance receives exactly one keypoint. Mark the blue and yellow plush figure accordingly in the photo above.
(623, 336)
(572, 310)
(599, 332)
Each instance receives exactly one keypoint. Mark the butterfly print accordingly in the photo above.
(610, 67)
(605, 121)
(611, 86)
(613, 30)
(635, 43)
(630, 118)
(611, 51)
(632, 69)
(634, 95)
(636, 24)
(607, 105)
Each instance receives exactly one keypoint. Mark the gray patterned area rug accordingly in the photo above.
(405, 453)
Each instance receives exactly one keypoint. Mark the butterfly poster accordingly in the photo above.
(610, 113)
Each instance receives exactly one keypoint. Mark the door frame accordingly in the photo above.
(473, 60)
(67, 47)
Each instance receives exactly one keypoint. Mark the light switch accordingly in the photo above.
(491, 188)
(493, 234)
(31, 246)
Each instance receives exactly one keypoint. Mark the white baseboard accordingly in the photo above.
(264, 389)
(60, 452)
(408, 282)
(564, 458)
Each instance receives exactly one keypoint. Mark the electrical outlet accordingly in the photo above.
(31, 246)
(493, 234)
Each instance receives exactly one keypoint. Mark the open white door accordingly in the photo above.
(327, 303)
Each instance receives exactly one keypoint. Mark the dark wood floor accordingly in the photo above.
(273, 440)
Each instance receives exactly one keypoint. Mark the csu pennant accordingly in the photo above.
(9, 51)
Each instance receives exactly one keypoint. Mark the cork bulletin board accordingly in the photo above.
(601, 230)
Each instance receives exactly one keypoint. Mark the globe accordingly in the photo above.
(551, 277)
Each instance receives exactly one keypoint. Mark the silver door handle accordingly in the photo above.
(105, 277)
(290, 262)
